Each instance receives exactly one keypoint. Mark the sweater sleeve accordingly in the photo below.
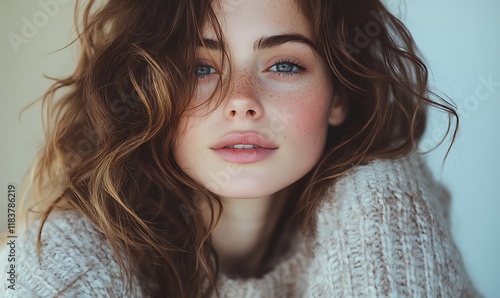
(382, 232)
(76, 261)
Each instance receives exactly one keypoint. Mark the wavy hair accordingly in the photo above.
(109, 135)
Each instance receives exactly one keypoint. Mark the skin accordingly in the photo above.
(284, 93)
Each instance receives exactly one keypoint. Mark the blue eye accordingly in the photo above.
(286, 68)
(204, 70)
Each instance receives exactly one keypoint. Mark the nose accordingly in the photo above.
(242, 100)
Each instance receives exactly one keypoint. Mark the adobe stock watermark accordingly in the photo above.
(121, 107)
(222, 178)
(31, 26)
(230, 5)
(483, 91)
(364, 36)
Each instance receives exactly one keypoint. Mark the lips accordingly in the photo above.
(244, 148)
(243, 141)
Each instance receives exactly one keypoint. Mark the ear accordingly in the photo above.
(338, 111)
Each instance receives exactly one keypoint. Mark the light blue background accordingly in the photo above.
(460, 40)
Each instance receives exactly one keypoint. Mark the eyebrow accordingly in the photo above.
(265, 42)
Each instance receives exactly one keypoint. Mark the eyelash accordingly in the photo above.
(204, 65)
(294, 63)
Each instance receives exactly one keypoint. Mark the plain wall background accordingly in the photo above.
(459, 40)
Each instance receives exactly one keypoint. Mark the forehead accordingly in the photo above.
(255, 18)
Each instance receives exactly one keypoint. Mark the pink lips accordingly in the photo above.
(244, 147)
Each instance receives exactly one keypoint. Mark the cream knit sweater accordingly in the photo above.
(382, 231)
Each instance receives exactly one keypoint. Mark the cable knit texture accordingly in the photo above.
(382, 231)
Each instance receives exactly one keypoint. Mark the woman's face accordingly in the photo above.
(270, 129)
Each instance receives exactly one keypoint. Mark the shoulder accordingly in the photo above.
(387, 234)
(402, 182)
(75, 259)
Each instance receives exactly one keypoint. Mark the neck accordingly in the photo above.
(244, 231)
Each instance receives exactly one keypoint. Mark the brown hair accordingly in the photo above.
(109, 137)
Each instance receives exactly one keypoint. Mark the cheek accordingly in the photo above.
(180, 151)
(309, 124)
(185, 142)
(310, 109)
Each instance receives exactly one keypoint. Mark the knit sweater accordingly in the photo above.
(382, 231)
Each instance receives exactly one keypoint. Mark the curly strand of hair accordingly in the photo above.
(123, 177)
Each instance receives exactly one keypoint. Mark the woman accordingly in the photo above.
(239, 149)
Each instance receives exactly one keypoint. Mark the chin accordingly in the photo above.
(248, 189)
(243, 194)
